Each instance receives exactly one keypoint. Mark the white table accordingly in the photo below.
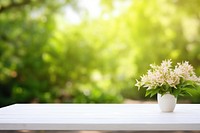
(98, 117)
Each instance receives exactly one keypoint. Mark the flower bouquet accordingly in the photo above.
(166, 79)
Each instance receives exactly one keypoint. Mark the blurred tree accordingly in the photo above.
(25, 27)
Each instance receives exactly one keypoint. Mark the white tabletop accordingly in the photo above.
(98, 117)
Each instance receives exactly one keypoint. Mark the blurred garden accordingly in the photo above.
(91, 51)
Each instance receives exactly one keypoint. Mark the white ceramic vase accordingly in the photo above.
(167, 102)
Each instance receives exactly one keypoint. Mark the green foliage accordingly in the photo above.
(184, 88)
(152, 92)
(45, 58)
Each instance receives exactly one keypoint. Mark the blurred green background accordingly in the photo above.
(91, 51)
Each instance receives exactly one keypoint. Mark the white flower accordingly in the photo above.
(173, 79)
(166, 65)
(184, 70)
(164, 74)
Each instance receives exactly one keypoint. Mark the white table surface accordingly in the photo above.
(98, 117)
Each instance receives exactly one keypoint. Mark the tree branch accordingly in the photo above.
(14, 5)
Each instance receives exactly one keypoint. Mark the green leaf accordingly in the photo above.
(188, 93)
(151, 92)
(176, 92)
(148, 92)
(155, 91)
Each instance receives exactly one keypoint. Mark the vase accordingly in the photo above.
(167, 102)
